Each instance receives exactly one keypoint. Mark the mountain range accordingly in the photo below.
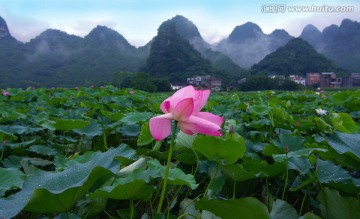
(339, 43)
(296, 56)
(247, 44)
(55, 58)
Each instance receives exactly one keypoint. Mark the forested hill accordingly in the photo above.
(186, 29)
(339, 43)
(296, 57)
(55, 58)
(174, 57)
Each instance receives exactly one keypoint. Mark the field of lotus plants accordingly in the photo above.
(104, 152)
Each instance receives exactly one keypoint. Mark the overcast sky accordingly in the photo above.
(138, 20)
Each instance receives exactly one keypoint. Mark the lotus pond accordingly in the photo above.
(88, 153)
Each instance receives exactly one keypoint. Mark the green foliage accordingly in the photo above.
(133, 186)
(333, 205)
(132, 118)
(11, 178)
(161, 84)
(298, 57)
(343, 122)
(263, 82)
(346, 144)
(88, 152)
(219, 150)
(282, 209)
(123, 79)
(67, 124)
(235, 208)
(47, 192)
(141, 81)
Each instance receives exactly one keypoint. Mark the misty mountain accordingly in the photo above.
(104, 53)
(311, 34)
(245, 32)
(178, 52)
(186, 29)
(296, 57)
(339, 43)
(4, 31)
(247, 44)
(55, 58)
(278, 38)
(173, 57)
(10, 54)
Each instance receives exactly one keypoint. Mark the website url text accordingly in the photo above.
(282, 8)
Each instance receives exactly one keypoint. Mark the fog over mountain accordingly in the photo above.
(311, 34)
(4, 30)
(247, 44)
(339, 43)
(186, 29)
(55, 58)
(296, 57)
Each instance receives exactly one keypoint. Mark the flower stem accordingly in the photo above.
(211, 180)
(2, 152)
(105, 141)
(234, 190)
(286, 177)
(167, 167)
(302, 204)
(131, 209)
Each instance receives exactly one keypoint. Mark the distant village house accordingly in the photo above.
(324, 79)
(297, 79)
(200, 82)
(209, 82)
(312, 79)
(329, 79)
(351, 81)
(178, 86)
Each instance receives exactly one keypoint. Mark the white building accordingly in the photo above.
(297, 79)
(205, 82)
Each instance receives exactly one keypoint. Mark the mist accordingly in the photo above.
(248, 52)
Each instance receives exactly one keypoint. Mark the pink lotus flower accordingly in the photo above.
(184, 106)
(131, 92)
(5, 93)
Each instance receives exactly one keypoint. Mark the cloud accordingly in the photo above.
(320, 20)
(138, 20)
(246, 53)
(213, 37)
(83, 27)
(22, 27)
